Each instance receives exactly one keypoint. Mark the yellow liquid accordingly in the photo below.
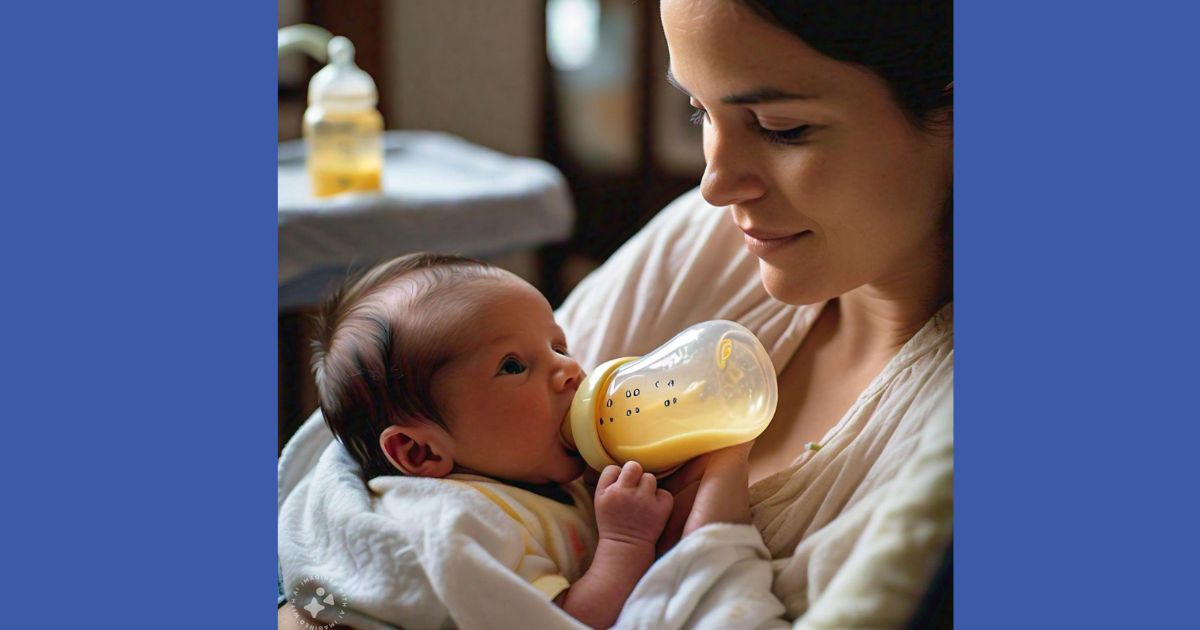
(327, 181)
(669, 453)
(345, 150)
(662, 424)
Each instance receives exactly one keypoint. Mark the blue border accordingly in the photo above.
(139, 314)
(1076, 331)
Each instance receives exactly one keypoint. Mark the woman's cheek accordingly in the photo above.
(808, 181)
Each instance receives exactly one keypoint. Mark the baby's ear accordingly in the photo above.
(421, 450)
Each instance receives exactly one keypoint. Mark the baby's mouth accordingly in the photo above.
(563, 425)
(567, 446)
(562, 440)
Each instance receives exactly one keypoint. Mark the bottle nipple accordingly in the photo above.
(341, 51)
(341, 84)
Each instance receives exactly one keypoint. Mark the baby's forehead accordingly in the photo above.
(458, 306)
(502, 303)
(471, 295)
(424, 288)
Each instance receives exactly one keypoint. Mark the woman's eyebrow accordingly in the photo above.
(752, 97)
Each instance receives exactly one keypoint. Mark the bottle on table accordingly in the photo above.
(343, 129)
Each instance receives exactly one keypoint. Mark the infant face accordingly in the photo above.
(505, 394)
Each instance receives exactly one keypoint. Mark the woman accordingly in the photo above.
(828, 142)
(823, 224)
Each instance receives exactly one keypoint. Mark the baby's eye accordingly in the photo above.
(511, 365)
(561, 349)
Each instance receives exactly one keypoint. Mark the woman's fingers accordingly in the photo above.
(679, 516)
(689, 474)
(722, 496)
(737, 452)
(728, 458)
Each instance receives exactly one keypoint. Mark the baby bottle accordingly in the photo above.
(710, 386)
(343, 130)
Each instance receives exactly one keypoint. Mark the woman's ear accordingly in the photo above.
(422, 450)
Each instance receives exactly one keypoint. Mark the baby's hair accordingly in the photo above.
(374, 363)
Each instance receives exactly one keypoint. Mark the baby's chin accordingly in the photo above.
(572, 470)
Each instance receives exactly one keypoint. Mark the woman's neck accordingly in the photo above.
(876, 319)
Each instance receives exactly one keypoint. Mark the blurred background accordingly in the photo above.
(578, 84)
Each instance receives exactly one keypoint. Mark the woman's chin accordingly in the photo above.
(790, 286)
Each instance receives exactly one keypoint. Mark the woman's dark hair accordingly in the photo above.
(909, 44)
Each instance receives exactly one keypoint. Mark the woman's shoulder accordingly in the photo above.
(687, 265)
(672, 238)
(690, 221)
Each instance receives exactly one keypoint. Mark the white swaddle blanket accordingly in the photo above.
(434, 554)
(853, 532)
(427, 554)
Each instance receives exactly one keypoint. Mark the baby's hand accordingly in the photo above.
(630, 507)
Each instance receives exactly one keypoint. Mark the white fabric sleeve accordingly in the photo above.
(718, 577)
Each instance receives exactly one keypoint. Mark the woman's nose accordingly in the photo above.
(728, 175)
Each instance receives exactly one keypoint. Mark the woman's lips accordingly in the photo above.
(762, 243)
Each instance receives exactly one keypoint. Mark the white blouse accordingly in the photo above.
(856, 529)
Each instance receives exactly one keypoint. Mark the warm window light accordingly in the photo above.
(572, 27)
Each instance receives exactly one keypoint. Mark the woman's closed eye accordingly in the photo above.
(511, 365)
(785, 136)
(778, 136)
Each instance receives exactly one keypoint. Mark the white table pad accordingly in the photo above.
(440, 193)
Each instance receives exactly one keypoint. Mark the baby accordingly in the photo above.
(445, 367)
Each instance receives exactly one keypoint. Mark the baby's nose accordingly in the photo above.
(571, 374)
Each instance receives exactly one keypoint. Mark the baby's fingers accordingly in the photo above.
(631, 473)
(648, 484)
(607, 477)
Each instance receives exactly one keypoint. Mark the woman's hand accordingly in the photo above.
(711, 488)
